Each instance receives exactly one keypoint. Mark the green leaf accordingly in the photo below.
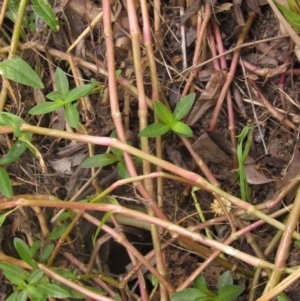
(290, 16)
(163, 113)
(279, 298)
(58, 231)
(61, 82)
(293, 6)
(43, 9)
(225, 279)
(10, 268)
(122, 170)
(72, 115)
(18, 70)
(14, 271)
(154, 280)
(53, 290)
(46, 252)
(154, 130)
(5, 185)
(229, 292)
(103, 221)
(35, 276)
(184, 106)
(12, 121)
(99, 161)
(14, 278)
(13, 296)
(189, 294)
(297, 243)
(78, 93)
(34, 248)
(54, 96)
(207, 299)
(200, 282)
(24, 252)
(33, 291)
(182, 129)
(14, 153)
(23, 296)
(4, 215)
(44, 108)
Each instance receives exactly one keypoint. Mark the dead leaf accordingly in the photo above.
(207, 98)
(292, 171)
(254, 5)
(210, 152)
(253, 176)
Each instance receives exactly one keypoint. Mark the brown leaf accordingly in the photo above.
(211, 152)
(253, 175)
(207, 98)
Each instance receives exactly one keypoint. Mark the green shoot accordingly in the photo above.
(170, 121)
(243, 148)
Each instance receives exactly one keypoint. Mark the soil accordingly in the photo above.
(274, 148)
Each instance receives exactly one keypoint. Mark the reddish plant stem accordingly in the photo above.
(283, 248)
(199, 43)
(230, 75)
(116, 115)
(231, 120)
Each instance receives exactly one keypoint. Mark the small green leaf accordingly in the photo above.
(118, 73)
(103, 221)
(154, 130)
(24, 252)
(207, 299)
(182, 129)
(290, 16)
(154, 280)
(35, 276)
(44, 108)
(23, 296)
(225, 279)
(55, 96)
(163, 113)
(46, 252)
(293, 6)
(13, 296)
(189, 294)
(53, 290)
(13, 270)
(5, 185)
(99, 161)
(61, 82)
(122, 170)
(229, 292)
(14, 278)
(18, 70)
(184, 106)
(57, 232)
(200, 281)
(4, 215)
(279, 298)
(297, 243)
(13, 120)
(14, 153)
(43, 9)
(34, 248)
(72, 115)
(34, 292)
(78, 93)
